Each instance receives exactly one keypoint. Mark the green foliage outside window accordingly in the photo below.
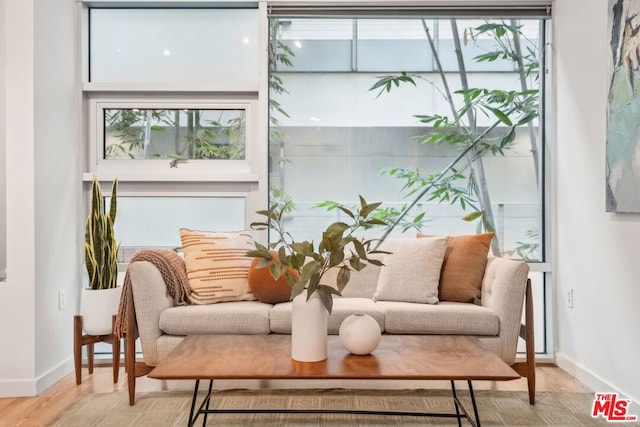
(174, 134)
(463, 181)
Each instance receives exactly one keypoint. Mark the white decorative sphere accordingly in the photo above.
(360, 334)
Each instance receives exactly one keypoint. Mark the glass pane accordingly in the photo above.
(174, 45)
(174, 134)
(390, 137)
(314, 44)
(475, 44)
(394, 45)
(144, 222)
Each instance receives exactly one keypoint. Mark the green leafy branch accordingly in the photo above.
(505, 108)
(527, 250)
(339, 248)
(507, 38)
(279, 54)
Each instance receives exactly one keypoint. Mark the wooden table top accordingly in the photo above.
(418, 357)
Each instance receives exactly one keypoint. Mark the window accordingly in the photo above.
(172, 105)
(154, 221)
(441, 119)
(136, 134)
(157, 45)
(388, 127)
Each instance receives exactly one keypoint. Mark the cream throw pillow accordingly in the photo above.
(411, 272)
(217, 265)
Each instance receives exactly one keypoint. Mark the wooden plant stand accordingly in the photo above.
(80, 339)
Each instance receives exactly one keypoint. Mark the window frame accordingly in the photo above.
(161, 169)
(544, 292)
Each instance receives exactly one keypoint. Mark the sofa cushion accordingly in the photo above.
(342, 308)
(217, 265)
(362, 284)
(463, 267)
(239, 317)
(411, 270)
(444, 318)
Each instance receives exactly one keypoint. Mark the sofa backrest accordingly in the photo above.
(362, 284)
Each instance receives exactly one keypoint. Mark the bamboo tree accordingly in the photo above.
(147, 135)
(510, 108)
(190, 145)
(278, 54)
(440, 177)
(478, 172)
(518, 58)
(508, 38)
(176, 139)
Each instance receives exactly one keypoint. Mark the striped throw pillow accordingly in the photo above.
(217, 265)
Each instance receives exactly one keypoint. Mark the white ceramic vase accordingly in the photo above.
(360, 334)
(97, 308)
(308, 328)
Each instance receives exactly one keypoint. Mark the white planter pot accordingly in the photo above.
(308, 329)
(360, 334)
(97, 308)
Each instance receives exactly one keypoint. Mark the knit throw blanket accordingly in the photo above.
(174, 273)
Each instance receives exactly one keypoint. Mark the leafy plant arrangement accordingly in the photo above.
(339, 248)
(100, 245)
(387, 214)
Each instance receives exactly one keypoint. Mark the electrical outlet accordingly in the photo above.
(62, 301)
(570, 298)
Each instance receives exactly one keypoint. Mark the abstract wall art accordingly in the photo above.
(623, 108)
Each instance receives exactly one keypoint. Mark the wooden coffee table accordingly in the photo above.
(398, 357)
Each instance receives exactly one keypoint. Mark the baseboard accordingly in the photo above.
(594, 382)
(54, 375)
(541, 359)
(18, 388)
(35, 386)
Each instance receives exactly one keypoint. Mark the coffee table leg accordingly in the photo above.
(460, 407)
(473, 403)
(193, 404)
(206, 408)
(455, 402)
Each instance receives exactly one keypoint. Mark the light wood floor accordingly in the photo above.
(41, 410)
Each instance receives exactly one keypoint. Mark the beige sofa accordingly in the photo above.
(496, 322)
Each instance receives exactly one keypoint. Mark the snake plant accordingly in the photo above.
(100, 245)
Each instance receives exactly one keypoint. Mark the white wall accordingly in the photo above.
(3, 182)
(17, 295)
(43, 195)
(57, 187)
(596, 253)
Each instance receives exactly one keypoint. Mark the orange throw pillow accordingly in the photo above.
(265, 287)
(463, 267)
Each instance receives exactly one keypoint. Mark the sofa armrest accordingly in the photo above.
(503, 290)
(150, 298)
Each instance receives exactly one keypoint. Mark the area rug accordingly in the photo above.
(171, 408)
